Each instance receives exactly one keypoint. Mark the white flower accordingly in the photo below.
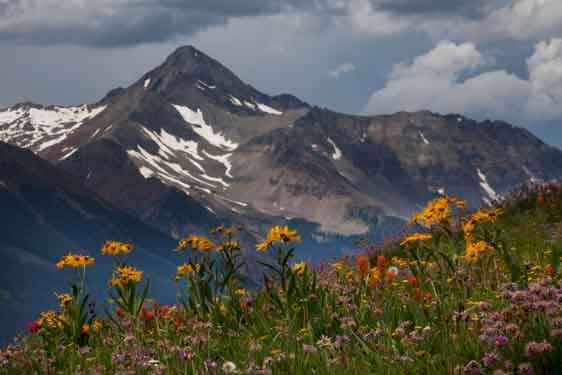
(228, 367)
(153, 362)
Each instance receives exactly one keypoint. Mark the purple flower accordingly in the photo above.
(491, 359)
(501, 341)
(308, 348)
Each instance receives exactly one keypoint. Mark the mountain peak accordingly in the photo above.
(187, 63)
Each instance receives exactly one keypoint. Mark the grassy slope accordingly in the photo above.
(437, 314)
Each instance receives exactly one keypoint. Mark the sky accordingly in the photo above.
(484, 59)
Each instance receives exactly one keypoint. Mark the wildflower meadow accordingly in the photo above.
(463, 292)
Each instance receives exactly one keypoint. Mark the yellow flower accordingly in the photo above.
(241, 292)
(337, 266)
(216, 230)
(473, 250)
(48, 316)
(125, 274)
(398, 261)
(415, 237)
(278, 233)
(97, 325)
(197, 243)
(299, 268)
(184, 269)
(114, 248)
(229, 245)
(64, 299)
(74, 260)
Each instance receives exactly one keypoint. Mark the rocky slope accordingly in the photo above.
(190, 143)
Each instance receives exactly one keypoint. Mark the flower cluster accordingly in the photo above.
(115, 248)
(125, 275)
(437, 211)
(74, 261)
(197, 243)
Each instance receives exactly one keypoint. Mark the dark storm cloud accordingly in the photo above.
(461, 8)
(122, 22)
(129, 22)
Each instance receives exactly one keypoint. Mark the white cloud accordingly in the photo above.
(342, 69)
(434, 81)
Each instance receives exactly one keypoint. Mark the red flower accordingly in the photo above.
(164, 310)
(179, 318)
(33, 327)
(244, 305)
(381, 262)
(389, 277)
(412, 281)
(418, 295)
(118, 312)
(428, 295)
(362, 263)
(548, 269)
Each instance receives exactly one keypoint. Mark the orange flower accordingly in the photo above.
(417, 295)
(412, 281)
(362, 263)
(540, 200)
(389, 277)
(381, 262)
(179, 318)
(548, 269)
(428, 296)
(244, 305)
(164, 310)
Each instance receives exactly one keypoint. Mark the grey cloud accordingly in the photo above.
(123, 22)
(461, 8)
(130, 22)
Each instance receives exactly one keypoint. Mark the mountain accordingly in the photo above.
(190, 143)
(46, 213)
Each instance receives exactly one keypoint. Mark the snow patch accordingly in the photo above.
(267, 109)
(69, 154)
(424, 139)
(337, 152)
(250, 105)
(206, 85)
(235, 101)
(41, 128)
(204, 130)
(486, 187)
(146, 172)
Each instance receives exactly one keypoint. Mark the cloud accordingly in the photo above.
(518, 20)
(342, 69)
(130, 22)
(441, 81)
(123, 22)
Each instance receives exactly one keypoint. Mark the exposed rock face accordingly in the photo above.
(190, 144)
